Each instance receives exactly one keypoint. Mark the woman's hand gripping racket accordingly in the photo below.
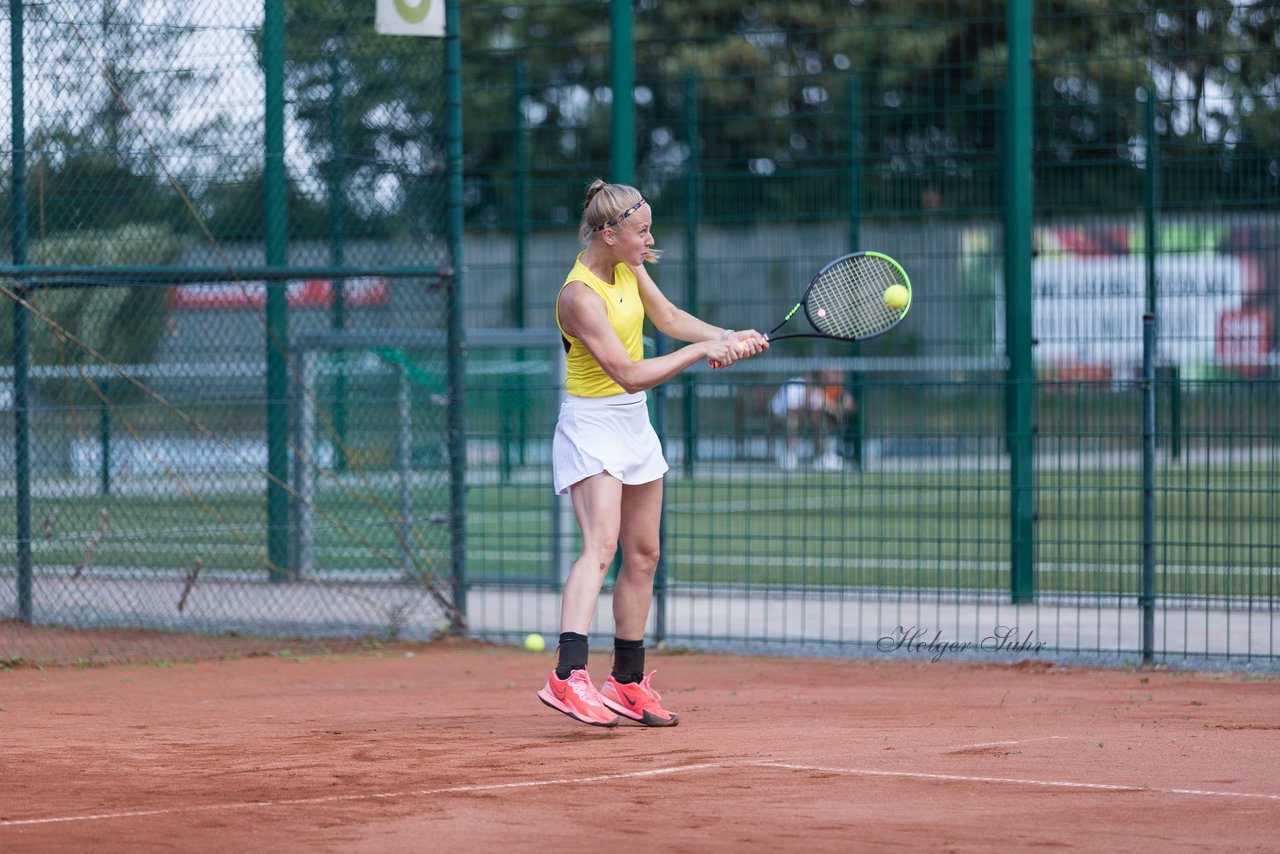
(853, 298)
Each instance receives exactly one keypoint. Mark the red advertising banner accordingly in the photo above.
(1244, 338)
(360, 292)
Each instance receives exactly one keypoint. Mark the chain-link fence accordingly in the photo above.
(191, 193)
(1048, 174)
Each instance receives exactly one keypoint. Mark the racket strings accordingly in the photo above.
(847, 299)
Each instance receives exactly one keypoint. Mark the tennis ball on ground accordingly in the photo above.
(895, 296)
(534, 642)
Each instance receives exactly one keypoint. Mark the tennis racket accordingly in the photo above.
(851, 299)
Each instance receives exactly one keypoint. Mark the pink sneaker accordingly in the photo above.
(638, 701)
(577, 698)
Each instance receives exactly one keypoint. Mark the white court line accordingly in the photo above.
(964, 778)
(1006, 743)
(331, 799)
(630, 775)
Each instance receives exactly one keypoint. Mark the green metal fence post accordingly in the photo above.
(454, 295)
(21, 410)
(688, 382)
(1150, 329)
(1150, 199)
(622, 142)
(1017, 270)
(519, 187)
(104, 437)
(276, 237)
(1147, 596)
(520, 221)
(337, 256)
(622, 82)
(660, 574)
(853, 437)
(1169, 375)
(510, 389)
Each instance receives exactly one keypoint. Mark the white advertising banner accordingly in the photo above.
(410, 18)
(1089, 310)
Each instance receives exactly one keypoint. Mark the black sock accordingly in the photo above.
(628, 660)
(572, 654)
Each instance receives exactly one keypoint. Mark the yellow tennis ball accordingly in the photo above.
(895, 296)
(534, 643)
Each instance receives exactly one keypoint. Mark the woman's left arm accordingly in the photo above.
(669, 319)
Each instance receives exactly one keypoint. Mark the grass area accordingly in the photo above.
(1216, 531)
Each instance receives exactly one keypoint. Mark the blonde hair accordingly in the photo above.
(607, 206)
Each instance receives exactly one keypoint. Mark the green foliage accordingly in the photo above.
(789, 97)
(105, 81)
(233, 211)
(89, 189)
(926, 78)
(389, 156)
(123, 324)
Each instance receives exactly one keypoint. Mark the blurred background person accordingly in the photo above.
(811, 412)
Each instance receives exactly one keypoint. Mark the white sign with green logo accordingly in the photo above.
(410, 18)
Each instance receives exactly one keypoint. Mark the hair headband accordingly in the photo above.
(620, 217)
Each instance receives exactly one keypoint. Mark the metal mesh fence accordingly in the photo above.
(770, 140)
(978, 476)
(166, 259)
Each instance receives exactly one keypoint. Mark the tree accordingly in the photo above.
(775, 86)
(233, 211)
(1215, 69)
(391, 137)
(99, 145)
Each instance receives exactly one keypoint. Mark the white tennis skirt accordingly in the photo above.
(613, 434)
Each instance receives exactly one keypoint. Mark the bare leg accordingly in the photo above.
(793, 426)
(597, 503)
(633, 592)
(627, 691)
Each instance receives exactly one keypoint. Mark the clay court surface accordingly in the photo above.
(444, 747)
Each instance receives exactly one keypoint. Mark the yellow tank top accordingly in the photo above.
(583, 375)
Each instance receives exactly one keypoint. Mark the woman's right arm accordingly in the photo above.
(583, 316)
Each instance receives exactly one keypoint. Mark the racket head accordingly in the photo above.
(847, 298)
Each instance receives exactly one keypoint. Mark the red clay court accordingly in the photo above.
(444, 747)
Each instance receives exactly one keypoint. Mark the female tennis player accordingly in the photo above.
(605, 453)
